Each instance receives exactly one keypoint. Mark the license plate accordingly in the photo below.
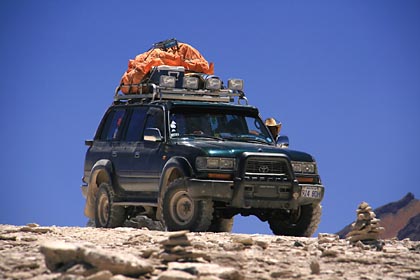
(312, 192)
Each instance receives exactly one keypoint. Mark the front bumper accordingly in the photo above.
(239, 193)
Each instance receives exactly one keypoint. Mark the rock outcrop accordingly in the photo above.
(411, 230)
(36, 252)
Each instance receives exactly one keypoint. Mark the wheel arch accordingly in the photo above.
(174, 168)
(101, 173)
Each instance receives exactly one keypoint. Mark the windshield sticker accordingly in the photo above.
(173, 127)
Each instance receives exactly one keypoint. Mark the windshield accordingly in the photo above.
(217, 124)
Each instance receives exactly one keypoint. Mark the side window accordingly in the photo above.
(112, 128)
(136, 124)
(155, 119)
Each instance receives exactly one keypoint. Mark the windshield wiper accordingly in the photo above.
(246, 138)
(203, 136)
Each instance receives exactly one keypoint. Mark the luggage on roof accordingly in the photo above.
(170, 53)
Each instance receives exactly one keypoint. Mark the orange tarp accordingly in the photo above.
(185, 55)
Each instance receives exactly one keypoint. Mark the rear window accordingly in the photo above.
(111, 130)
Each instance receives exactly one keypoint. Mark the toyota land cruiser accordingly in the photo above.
(194, 157)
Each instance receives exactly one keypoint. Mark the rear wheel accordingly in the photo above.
(301, 222)
(181, 212)
(107, 214)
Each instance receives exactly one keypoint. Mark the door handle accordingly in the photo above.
(137, 155)
(114, 154)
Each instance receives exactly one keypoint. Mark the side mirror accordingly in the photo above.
(89, 143)
(283, 141)
(152, 134)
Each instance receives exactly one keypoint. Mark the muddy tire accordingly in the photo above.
(108, 215)
(181, 212)
(221, 225)
(302, 222)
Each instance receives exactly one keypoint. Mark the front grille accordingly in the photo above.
(266, 170)
(255, 165)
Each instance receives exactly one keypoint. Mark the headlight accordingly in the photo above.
(303, 167)
(214, 163)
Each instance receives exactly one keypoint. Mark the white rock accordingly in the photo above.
(60, 253)
(57, 253)
(176, 275)
(327, 238)
(117, 263)
(244, 240)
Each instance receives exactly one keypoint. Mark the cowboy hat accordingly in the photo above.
(272, 122)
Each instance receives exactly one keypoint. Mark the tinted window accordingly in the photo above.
(113, 123)
(155, 119)
(136, 124)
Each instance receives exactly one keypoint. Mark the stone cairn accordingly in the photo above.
(177, 248)
(366, 228)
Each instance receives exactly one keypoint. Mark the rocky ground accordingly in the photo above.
(36, 252)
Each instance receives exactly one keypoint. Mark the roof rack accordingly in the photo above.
(155, 92)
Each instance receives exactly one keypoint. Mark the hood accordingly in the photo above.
(235, 148)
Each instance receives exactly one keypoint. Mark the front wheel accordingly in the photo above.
(301, 222)
(181, 212)
(108, 215)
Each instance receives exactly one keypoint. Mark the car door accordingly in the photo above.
(138, 162)
(127, 161)
(151, 153)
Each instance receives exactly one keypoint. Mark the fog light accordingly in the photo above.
(213, 84)
(190, 83)
(167, 81)
(236, 84)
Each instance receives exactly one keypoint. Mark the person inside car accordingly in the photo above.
(274, 127)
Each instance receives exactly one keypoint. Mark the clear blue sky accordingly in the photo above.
(342, 76)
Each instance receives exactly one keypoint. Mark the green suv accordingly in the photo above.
(193, 158)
